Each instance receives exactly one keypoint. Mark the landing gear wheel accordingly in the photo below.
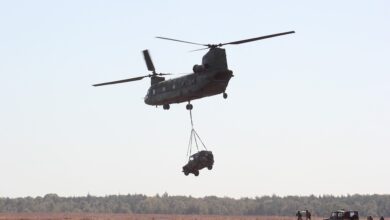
(186, 173)
(210, 167)
(225, 95)
(166, 107)
(196, 173)
(189, 106)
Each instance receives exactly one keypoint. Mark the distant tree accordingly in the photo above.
(374, 205)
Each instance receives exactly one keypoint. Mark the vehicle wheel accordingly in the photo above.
(189, 106)
(225, 95)
(210, 167)
(166, 107)
(196, 173)
(186, 173)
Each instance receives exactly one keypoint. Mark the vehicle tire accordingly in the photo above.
(225, 95)
(189, 106)
(210, 167)
(196, 173)
(186, 173)
(166, 107)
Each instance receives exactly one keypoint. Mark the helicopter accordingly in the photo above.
(210, 78)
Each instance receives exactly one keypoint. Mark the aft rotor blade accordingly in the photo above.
(258, 38)
(148, 60)
(205, 48)
(121, 81)
(182, 41)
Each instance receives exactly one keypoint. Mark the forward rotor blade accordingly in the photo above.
(258, 38)
(148, 60)
(121, 81)
(165, 38)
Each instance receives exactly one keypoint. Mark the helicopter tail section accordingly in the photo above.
(215, 59)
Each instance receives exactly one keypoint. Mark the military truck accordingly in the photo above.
(199, 161)
(344, 215)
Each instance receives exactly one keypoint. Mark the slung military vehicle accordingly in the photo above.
(199, 161)
(208, 79)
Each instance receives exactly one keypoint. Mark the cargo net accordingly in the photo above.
(195, 141)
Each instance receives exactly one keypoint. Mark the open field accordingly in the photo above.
(99, 216)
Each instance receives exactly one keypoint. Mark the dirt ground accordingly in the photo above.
(100, 216)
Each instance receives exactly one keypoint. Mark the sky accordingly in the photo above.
(307, 113)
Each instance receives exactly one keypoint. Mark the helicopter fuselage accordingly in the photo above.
(188, 87)
(210, 78)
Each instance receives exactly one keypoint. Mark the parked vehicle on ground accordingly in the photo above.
(344, 215)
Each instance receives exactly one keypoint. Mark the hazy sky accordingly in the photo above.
(307, 113)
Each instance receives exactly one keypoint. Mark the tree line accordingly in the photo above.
(374, 205)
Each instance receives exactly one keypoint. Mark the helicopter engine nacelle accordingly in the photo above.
(198, 68)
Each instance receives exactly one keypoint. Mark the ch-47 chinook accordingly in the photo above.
(208, 79)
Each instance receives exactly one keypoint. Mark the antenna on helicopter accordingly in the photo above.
(211, 46)
(150, 66)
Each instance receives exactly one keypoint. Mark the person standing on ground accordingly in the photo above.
(299, 215)
(308, 215)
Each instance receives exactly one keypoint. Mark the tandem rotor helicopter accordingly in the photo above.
(208, 79)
